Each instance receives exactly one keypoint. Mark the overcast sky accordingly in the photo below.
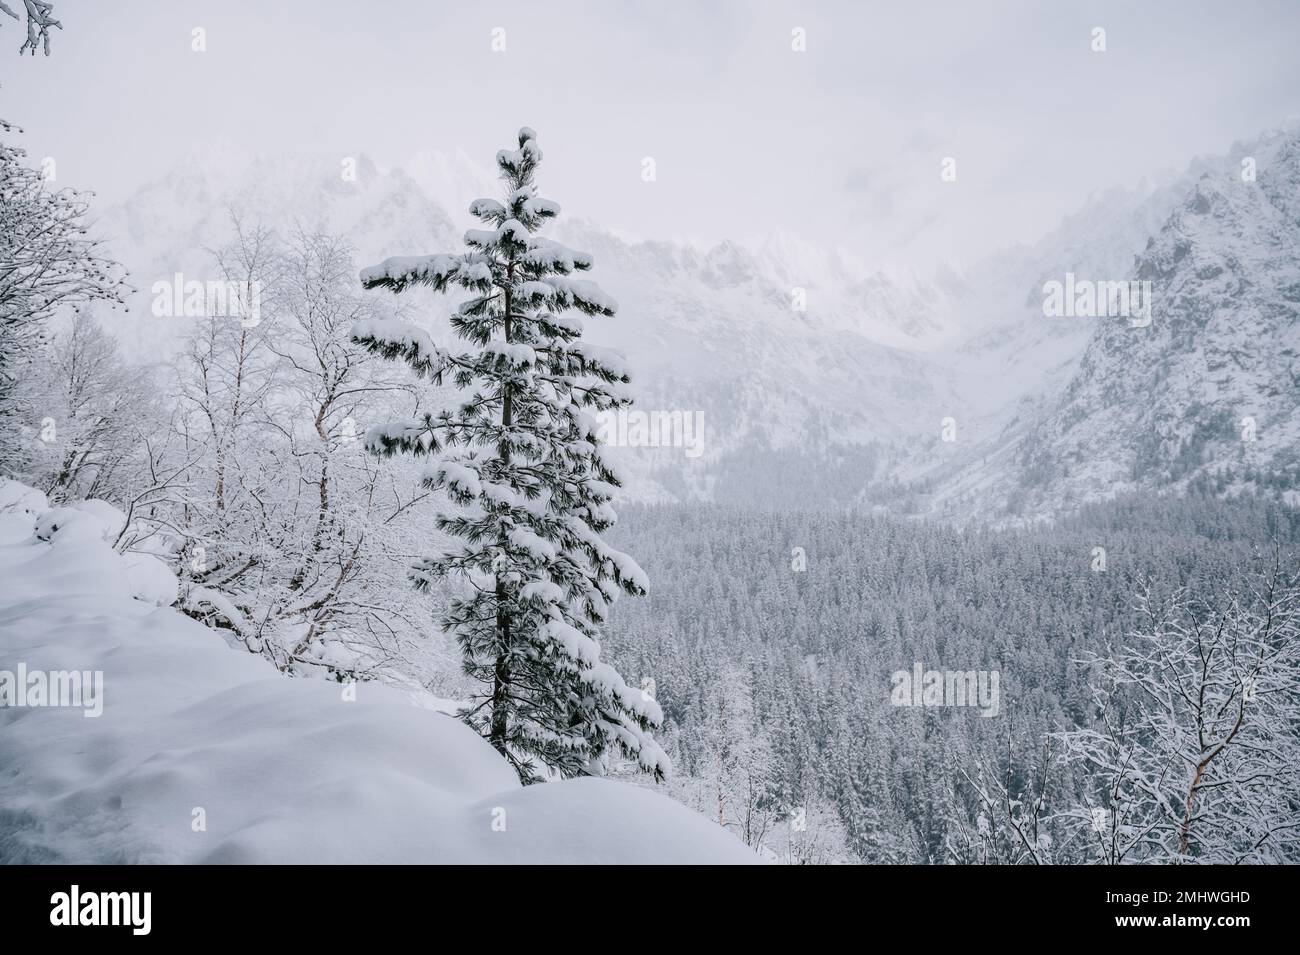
(841, 144)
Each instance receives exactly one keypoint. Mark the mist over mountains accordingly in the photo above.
(947, 393)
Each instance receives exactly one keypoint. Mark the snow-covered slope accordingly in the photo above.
(1209, 390)
(276, 770)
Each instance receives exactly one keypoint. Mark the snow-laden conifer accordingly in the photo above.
(520, 460)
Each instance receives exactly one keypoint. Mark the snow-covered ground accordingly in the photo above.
(206, 754)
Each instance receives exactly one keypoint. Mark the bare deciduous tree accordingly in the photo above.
(289, 530)
(1196, 756)
(47, 262)
(99, 410)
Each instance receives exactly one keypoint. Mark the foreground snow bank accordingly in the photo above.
(203, 754)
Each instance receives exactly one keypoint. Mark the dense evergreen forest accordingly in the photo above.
(770, 639)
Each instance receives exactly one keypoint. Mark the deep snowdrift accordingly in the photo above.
(278, 770)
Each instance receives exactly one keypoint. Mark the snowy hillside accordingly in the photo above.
(205, 754)
(1209, 391)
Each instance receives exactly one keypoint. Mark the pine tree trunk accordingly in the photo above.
(500, 685)
(501, 670)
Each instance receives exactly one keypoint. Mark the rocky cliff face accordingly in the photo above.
(1209, 390)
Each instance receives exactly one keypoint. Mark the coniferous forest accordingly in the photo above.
(775, 682)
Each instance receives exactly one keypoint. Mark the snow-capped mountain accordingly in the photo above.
(1209, 389)
(772, 342)
(776, 344)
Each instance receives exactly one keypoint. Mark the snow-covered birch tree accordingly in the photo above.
(99, 412)
(288, 534)
(48, 262)
(1195, 756)
(520, 461)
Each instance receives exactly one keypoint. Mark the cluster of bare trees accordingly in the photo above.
(48, 263)
(290, 531)
(241, 460)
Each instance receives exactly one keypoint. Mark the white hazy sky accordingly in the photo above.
(841, 144)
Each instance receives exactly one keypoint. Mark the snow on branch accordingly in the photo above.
(397, 339)
(585, 296)
(412, 435)
(39, 21)
(396, 273)
(488, 210)
(548, 255)
(609, 363)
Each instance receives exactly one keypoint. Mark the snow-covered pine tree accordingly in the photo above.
(520, 459)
